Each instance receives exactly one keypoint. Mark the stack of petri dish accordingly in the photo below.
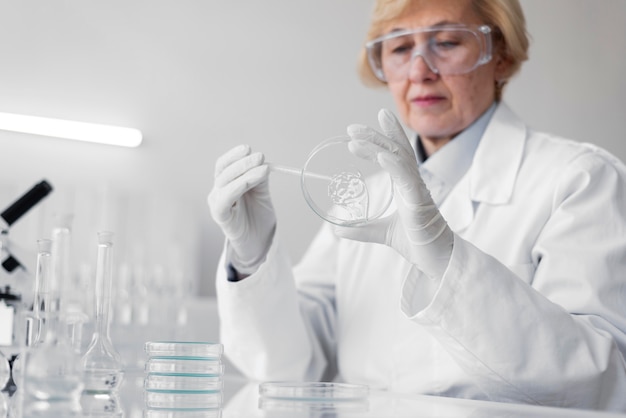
(183, 376)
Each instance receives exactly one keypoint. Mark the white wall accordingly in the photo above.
(574, 83)
(200, 76)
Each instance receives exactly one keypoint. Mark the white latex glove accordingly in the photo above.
(240, 203)
(416, 229)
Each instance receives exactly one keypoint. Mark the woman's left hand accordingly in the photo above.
(416, 229)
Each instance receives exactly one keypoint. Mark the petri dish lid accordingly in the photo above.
(182, 400)
(184, 366)
(184, 349)
(187, 383)
(313, 391)
(342, 188)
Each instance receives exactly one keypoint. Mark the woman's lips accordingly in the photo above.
(426, 101)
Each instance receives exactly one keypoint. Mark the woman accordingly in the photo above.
(501, 274)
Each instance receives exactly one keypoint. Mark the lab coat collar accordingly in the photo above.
(492, 175)
(497, 160)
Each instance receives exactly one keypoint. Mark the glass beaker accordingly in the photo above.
(102, 363)
(342, 188)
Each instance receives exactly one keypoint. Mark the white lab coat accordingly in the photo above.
(532, 307)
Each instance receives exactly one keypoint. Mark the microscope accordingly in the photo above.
(16, 282)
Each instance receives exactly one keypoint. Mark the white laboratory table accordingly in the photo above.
(241, 397)
(241, 400)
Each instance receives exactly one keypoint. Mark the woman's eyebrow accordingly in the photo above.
(436, 25)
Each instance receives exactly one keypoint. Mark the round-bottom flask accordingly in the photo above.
(102, 362)
(52, 370)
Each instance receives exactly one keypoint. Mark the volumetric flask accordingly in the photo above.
(342, 188)
(102, 362)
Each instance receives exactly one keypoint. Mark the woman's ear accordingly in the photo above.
(502, 68)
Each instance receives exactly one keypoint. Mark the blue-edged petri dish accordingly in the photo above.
(183, 349)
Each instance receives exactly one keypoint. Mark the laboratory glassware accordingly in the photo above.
(183, 349)
(313, 397)
(183, 366)
(313, 390)
(183, 400)
(64, 293)
(188, 383)
(102, 363)
(340, 187)
(101, 405)
(52, 369)
(183, 375)
(190, 413)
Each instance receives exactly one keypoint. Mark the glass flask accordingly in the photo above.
(102, 363)
(52, 370)
(101, 405)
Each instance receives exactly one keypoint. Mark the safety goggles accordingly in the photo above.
(447, 50)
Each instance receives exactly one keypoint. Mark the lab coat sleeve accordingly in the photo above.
(270, 329)
(559, 340)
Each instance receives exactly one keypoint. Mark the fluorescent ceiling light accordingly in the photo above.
(80, 131)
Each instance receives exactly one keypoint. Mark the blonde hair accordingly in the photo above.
(506, 18)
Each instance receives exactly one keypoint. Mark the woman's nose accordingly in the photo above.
(421, 69)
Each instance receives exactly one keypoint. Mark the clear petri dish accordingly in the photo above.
(184, 349)
(187, 383)
(184, 366)
(328, 407)
(342, 188)
(182, 413)
(182, 400)
(313, 391)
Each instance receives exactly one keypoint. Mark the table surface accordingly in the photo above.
(241, 399)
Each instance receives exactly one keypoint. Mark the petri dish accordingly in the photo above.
(327, 406)
(313, 391)
(184, 366)
(187, 383)
(182, 413)
(342, 188)
(184, 349)
(182, 400)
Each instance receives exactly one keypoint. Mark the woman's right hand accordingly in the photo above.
(240, 204)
